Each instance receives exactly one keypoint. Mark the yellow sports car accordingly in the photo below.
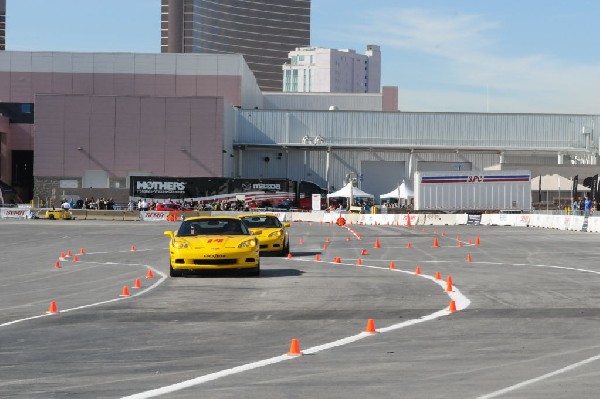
(213, 243)
(271, 233)
(53, 214)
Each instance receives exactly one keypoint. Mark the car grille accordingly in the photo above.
(214, 261)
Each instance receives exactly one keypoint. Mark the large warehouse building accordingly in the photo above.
(88, 121)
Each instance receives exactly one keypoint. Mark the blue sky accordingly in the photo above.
(444, 55)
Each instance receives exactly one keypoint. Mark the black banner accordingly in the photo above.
(197, 187)
(594, 192)
(574, 189)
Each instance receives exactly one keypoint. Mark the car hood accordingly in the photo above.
(213, 242)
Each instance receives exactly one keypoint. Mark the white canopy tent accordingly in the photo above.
(555, 183)
(400, 192)
(349, 191)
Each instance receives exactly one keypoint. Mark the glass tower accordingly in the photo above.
(2, 24)
(263, 31)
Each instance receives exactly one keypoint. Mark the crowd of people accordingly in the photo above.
(88, 203)
(583, 206)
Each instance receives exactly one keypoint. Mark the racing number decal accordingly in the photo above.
(215, 240)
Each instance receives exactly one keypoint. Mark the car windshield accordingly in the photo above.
(269, 222)
(212, 226)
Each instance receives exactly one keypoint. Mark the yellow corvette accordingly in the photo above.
(213, 243)
(271, 233)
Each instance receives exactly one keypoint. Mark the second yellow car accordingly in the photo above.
(271, 233)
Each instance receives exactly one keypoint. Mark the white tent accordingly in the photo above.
(349, 191)
(400, 192)
(555, 183)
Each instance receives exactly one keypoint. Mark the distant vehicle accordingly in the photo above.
(213, 243)
(54, 214)
(272, 234)
(171, 207)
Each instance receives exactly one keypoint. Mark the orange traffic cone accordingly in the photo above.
(301, 242)
(52, 308)
(137, 284)
(125, 291)
(82, 251)
(392, 265)
(460, 243)
(75, 258)
(337, 259)
(294, 348)
(377, 244)
(370, 326)
(477, 241)
(436, 243)
(409, 245)
(408, 220)
(358, 262)
(149, 274)
(452, 307)
(317, 258)
(62, 255)
(449, 284)
(289, 255)
(327, 239)
(469, 257)
(69, 253)
(324, 246)
(57, 265)
(132, 248)
(348, 238)
(418, 270)
(364, 252)
(438, 276)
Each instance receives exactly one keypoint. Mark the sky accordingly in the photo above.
(499, 56)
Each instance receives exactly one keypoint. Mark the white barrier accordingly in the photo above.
(462, 219)
(154, 216)
(522, 220)
(440, 220)
(15, 213)
(576, 223)
(485, 219)
(593, 225)
(560, 222)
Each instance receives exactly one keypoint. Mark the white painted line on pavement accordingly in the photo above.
(138, 293)
(461, 303)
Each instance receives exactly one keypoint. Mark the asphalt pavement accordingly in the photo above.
(526, 325)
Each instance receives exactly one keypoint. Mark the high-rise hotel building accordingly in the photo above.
(2, 24)
(263, 31)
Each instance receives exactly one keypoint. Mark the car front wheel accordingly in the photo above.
(256, 271)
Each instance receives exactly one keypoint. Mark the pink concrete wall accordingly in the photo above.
(389, 99)
(126, 134)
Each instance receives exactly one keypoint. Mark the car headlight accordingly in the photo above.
(248, 244)
(275, 233)
(180, 244)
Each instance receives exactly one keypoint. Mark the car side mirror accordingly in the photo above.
(168, 233)
(287, 225)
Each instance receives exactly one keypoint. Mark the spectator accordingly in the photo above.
(66, 205)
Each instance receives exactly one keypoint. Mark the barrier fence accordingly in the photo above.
(545, 221)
